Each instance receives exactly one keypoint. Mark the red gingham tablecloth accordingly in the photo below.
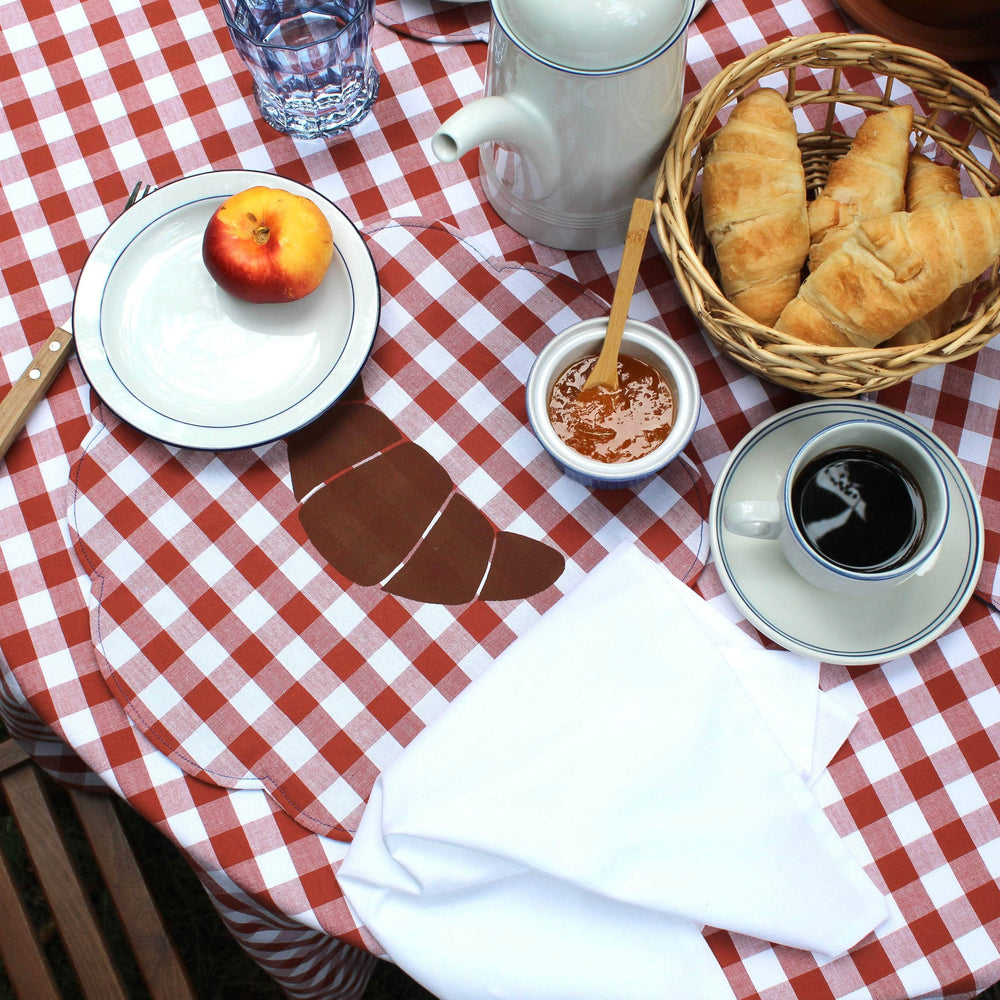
(95, 96)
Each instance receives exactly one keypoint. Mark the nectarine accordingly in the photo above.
(268, 245)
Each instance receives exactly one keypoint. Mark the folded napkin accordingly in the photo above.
(810, 724)
(608, 787)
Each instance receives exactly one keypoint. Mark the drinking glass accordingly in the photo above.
(311, 62)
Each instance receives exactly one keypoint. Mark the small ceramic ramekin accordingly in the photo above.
(642, 341)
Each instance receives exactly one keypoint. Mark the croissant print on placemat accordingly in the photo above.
(383, 512)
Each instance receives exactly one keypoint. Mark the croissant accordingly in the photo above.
(867, 181)
(754, 205)
(929, 183)
(382, 511)
(893, 270)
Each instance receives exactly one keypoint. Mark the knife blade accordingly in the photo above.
(27, 391)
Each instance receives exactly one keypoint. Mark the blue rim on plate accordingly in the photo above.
(824, 626)
(172, 354)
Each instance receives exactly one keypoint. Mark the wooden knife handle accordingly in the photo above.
(25, 393)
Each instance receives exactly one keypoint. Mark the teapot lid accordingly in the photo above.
(593, 35)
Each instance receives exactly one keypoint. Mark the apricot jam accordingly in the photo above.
(612, 425)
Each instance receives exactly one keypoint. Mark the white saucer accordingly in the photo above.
(185, 362)
(825, 626)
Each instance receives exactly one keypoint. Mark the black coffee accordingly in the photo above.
(859, 508)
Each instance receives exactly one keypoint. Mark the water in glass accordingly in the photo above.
(311, 63)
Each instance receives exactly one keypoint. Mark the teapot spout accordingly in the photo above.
(509, 120)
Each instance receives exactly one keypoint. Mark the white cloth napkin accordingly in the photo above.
(810, 724)
(607, 788)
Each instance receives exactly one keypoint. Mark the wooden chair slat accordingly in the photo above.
(24, 793)
(151, 943)
(11, 755)
(22, 955)
(67, 897)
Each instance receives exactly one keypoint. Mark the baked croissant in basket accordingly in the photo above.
(754, 205)
(929, 183)
(892, 270)
(383, 512)
(866, 182)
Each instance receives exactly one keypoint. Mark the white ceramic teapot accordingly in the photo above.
(580, 100)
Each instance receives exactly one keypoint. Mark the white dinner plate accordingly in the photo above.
(185, 362)
(831, 627)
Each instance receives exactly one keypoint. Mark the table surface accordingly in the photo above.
(100, 95)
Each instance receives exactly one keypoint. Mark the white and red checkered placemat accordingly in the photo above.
(443, 21)
(240, 611)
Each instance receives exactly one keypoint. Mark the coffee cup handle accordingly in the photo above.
(753, 518)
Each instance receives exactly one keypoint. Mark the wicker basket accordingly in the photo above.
(830, 81)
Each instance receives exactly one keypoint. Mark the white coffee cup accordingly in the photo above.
(871, 519)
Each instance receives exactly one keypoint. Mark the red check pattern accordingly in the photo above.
(437, 21)
(96, 96)
(193, 556)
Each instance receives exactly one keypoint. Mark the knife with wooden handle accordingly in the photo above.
(27, 391)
